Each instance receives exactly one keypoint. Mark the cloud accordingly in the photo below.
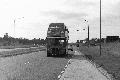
(80, 3)
(111, 14)
(66, 15)
(41, 12)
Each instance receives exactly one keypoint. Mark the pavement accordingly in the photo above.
(81, 70)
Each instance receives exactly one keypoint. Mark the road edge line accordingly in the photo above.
(59, 76)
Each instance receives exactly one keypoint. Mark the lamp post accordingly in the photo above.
(14, 28)
(100, 27)
(88, 32)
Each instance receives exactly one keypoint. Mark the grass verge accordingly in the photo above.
(109, 59)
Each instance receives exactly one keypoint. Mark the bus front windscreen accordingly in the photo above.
(56, 42)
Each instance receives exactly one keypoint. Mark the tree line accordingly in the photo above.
(8, 40)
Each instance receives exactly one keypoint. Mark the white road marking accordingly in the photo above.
(59, 76)
(64, 69)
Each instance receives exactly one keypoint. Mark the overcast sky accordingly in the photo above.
(38, 14)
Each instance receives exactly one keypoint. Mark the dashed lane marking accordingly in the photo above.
(59, 76)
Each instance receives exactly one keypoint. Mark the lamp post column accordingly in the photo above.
(88, 37)
(88, 33)
(14, 30)
(100, 27)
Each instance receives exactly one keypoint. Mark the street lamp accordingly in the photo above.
(14, 27)
(88, 33)
(100, 27)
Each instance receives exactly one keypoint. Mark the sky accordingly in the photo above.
(38, 14)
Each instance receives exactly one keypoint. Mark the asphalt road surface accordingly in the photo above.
(33, 66)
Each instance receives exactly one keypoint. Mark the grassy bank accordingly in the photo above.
(109, 59)
(20, 51)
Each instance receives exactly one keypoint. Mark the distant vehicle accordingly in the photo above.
(77, 45)
(57, 39)
(70, 47)
(93, 44)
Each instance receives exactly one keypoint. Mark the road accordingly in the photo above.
(37, 66)
(33, 66)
